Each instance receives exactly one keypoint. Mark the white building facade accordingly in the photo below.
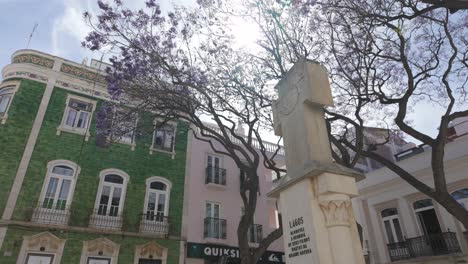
(402, 225)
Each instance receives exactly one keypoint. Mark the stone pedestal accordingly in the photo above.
(317, 217)
(315, 196)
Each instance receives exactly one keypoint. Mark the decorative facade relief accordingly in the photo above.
(81, 89)
(337, 212)
(100, 248)
(28, 75)
(82, 73)
(150, 250)
(44, 244)
(34, 59)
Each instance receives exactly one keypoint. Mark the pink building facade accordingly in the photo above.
(213, 207)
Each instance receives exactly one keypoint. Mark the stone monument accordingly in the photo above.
(314, 197)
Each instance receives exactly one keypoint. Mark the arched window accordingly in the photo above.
(156, 207)
(392, 225)
(157, 198)
(59, 185)
(6, 94)
(111, 192)
(427, 217)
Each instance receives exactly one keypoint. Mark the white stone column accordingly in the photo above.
(315, 196)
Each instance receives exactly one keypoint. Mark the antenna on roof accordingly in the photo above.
(31, 35)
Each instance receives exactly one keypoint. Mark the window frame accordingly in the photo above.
(213, 170)
(132, 142)
(8, 85)
(463, 202)
(65, 128)
(153, 149)
(49, 174)
(124, 185)
(167, 192)
(390, 218)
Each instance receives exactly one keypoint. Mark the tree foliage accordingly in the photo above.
(384, 58)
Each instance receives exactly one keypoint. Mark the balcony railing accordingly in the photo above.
(255, 233)
(111, 219)
(430, 245)
(269, 147)
(51, 215)
(154, 224)
(215, 175)
(214, 228)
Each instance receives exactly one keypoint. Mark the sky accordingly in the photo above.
(61, 29)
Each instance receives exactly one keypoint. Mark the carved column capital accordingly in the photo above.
(337, 212)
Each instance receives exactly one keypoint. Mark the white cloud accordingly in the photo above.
(69, 28)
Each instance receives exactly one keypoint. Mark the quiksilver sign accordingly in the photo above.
(213, 252)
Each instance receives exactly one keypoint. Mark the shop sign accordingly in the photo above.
(213, 252)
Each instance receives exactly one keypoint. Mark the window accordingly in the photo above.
(157, 199)
(111, 195)
(6, 96)
(34, 258)
(98, 260)
(77, 116)
(58, 187)
(123, 127)
(156, 209)
(57, 192)
(214, 227)
(164, 137)
(255, 233)
(110, 199)
(392, 225)
(427, 217)
(462, 198)
(214, 173)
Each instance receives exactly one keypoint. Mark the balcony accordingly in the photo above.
(109, 220)
(215, 175)
(154, 224)
(51, 215)
(214, 228)
(255, 233)
(431, 245)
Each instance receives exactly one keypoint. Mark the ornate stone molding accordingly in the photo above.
(82, 73)
(81, 89)
(28, 75)
(151, 250)
(45, 243)
(100, 247)
(337, 212)
(34, 59)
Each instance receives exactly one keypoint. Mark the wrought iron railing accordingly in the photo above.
(255, 233)
(154, 224)
(214, 228)
(269, 147)
(101, 219)
(44, 213)
(429, 245)
(215, 175)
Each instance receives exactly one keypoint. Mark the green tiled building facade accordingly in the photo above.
(65, 199)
